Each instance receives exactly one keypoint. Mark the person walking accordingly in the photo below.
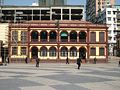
(67, 60)
(119, 63)
(95, 60)
(26, 60)
(79, 61)
(37, 61)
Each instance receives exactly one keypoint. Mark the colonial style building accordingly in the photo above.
(54, 41)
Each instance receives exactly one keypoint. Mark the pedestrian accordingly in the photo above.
(26, 60)
(37, 61)
(79, 61)
(67, 60)
(95, 60)
(119, 63)
(8, 59)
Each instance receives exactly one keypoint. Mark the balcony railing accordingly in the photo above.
(34, 40)
(62, 40)
(82, 40)
(52, 40)
(73, 40)
(43, 40)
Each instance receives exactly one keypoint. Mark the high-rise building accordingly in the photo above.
(52, 2)
(27, 13)
(109, 16)
(94, 6)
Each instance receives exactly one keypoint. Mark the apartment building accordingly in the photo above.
(109, 16)
(93, 7)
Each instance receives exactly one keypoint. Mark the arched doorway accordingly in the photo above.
(43, 51)
(34, 51)
(82, 53)
(52, 52)
(73, 52)
(64, 52)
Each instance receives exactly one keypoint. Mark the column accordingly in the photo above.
(68, 37)
(61, 14)
(69, 13)
(28, 38)
(77, 37)
(88, 35)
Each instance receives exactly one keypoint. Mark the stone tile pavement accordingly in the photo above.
(57, 76)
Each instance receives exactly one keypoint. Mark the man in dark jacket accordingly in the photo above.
(67, 61)
(37, 61)
(79, 61)
(95, 60)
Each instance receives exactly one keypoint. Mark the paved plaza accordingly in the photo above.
(57, 76)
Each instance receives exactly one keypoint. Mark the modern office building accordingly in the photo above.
(95, 6)
(26, 13)
(52, 2)
(54, 41)
(109, 16)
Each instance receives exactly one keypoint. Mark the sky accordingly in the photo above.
(29, 2)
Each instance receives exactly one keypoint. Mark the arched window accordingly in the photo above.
(64, 36)
(43, 36)
(82, 37)
(34, 36)
(52, 52)
(73, 36)
(43, 51)
(73, 52)
(64, 52)
(52, 36)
